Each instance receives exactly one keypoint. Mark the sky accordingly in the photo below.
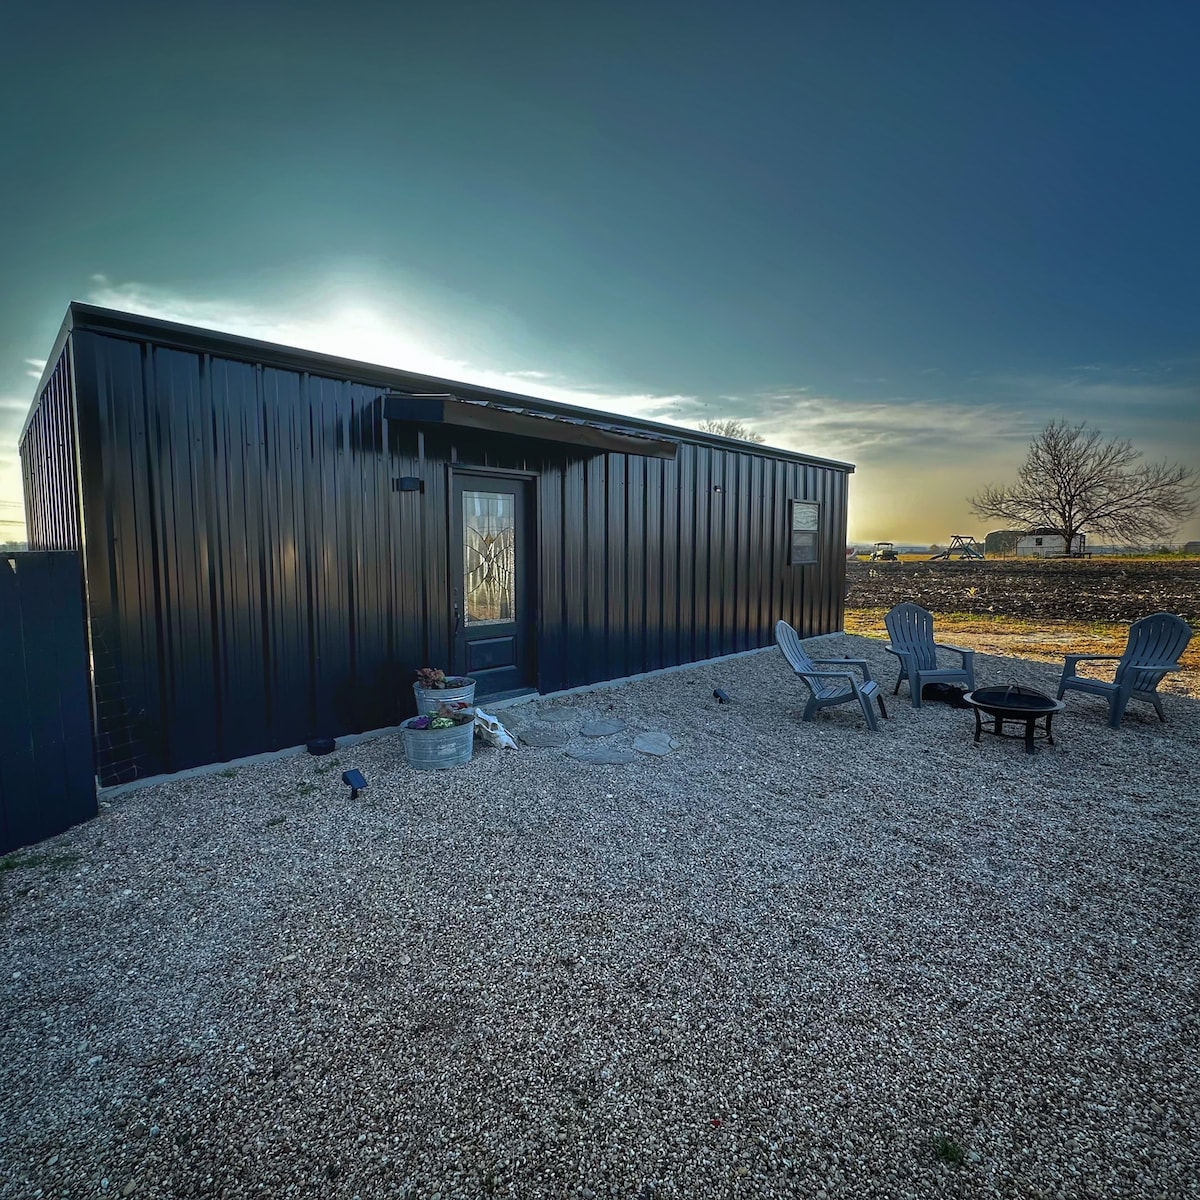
(904, 236)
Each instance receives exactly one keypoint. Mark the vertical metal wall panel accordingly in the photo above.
(652, 563)
(685, 556)
(49, 471)
(701, 542)
(786, 473)
(596, 532)
(430, 557)
(286, 694)
(614, 617)
(130, 710)
(635, 563)
(182, 596)
(552, 502)
(570, 665)
(749, 566)
(669, 561)
(734, 588)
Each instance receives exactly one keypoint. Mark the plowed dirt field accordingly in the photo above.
(1058, 590)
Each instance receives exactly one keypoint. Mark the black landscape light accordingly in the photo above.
(721, 696)
(354, 781)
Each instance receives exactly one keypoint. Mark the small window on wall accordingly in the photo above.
(804, 525)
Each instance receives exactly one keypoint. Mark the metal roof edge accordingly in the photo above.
(81, 316)
(60, 340)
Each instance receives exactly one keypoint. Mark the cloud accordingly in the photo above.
(878, 430)
(35, 367)
(1104, 395)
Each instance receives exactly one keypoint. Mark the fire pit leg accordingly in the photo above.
(1049, 718)
(978, 727)
(1029, 735)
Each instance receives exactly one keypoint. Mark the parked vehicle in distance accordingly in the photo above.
(885, 552)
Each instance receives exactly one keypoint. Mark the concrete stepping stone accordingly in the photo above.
(658, 744)
(604, 756)
(556, 715)
(602, 728)
(543, 736)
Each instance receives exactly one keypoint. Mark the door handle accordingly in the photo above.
(457, 620)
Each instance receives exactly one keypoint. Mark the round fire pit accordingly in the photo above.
(1014, 703)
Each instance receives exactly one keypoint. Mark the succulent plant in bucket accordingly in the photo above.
(434, 687)
(432, 678)
(442, 738)
(447, 716)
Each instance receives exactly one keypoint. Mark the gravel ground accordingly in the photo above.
(787, 960)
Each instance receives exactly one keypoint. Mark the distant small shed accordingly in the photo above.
(1191, 547)
(1048, 543)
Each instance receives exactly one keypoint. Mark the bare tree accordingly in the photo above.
(731, 428)
(1074, 481)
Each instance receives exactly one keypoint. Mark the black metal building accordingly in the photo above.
(274, 540)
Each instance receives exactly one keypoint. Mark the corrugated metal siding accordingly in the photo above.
(254, 578)
(644, 566)
(48, 465)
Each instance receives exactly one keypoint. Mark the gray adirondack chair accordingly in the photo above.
(1154, 648)
(911, 629)
(829, 680)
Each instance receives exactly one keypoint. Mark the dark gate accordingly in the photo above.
(47, 772)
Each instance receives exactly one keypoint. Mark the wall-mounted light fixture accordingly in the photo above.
(718, 488)
(408, 483)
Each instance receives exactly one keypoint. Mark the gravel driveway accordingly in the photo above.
(785, 960)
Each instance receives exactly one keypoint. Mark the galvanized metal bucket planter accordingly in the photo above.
(437, 749)
(428, 699)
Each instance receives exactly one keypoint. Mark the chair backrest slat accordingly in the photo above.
(910, 628)
(788, 641)
(1159, 638)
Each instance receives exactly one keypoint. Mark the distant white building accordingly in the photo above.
(1047, 543)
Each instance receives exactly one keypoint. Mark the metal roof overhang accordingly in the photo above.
(467, 414)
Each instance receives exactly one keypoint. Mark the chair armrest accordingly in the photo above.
(1072, 659)
(848, 676)
(1153, 666)
(956, 649)
(860, 663)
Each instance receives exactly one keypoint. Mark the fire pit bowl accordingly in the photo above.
(1014, 702)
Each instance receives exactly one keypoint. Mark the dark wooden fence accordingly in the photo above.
(47, 772)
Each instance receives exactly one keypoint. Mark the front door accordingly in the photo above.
(491, 561)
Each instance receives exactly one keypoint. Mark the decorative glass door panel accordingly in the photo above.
(489, 542)
(494, 606)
